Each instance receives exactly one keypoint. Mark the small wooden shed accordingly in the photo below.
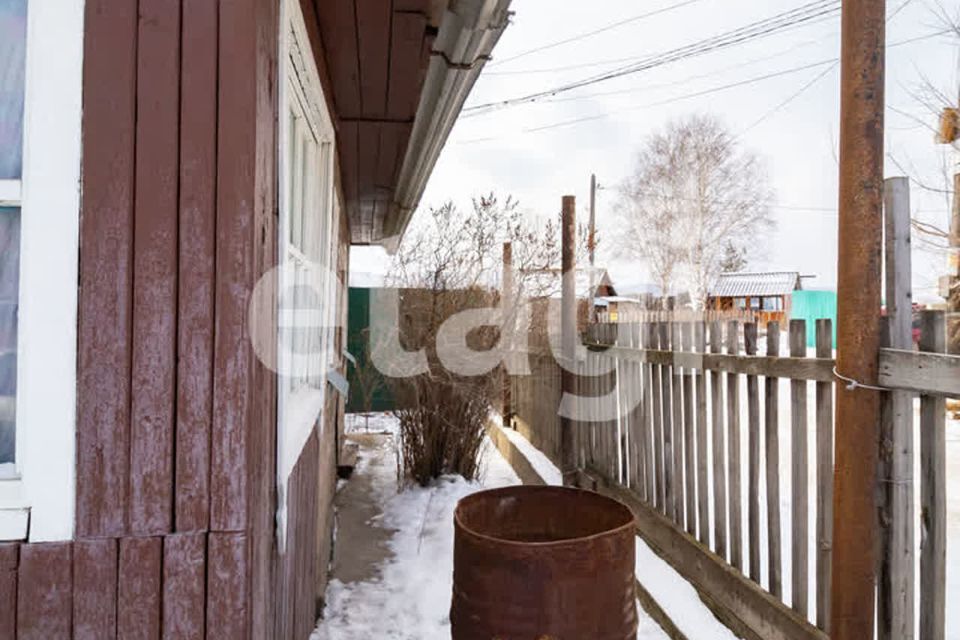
(766, 293)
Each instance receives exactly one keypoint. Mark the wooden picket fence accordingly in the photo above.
(686, 421)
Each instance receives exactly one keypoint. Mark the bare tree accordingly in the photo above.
(694, 195)
(450, 261)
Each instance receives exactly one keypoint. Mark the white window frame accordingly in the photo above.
(302, 396)
(37, 501)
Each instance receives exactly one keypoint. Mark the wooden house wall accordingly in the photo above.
(176, 417)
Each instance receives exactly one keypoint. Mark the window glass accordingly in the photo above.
(9, 299)
(13, 41)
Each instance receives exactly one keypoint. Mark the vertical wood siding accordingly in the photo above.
(176, 467)
(95, 589)
(198, 170)
(106, 267)
(155, 268)
(45, 591)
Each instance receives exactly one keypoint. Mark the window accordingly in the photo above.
(41, 71)
(13, 48)
(309, 238)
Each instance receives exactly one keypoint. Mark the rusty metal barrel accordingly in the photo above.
(543, 562)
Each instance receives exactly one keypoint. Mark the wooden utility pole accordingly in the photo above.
(568, 332)
(592, 240)
(853, 593)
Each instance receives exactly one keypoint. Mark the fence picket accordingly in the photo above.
(677, 421)
(686, 341)
(824, 478)
(718, 447)
(798, 467)
(771, 424)
(933, 497)
(699, 345)
(753, 456)
(733, 448)
(666, 373)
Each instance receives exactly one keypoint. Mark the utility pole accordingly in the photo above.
(568, 332)
(509, 325)
(853, 588)
(592, 242)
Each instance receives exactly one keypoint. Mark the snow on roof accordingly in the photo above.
(771, 283)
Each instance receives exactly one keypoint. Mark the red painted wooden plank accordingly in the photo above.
(45, 591)
(338, 31)
(153, 375)
(184, 586)
(9, 559)
(95, 589)
(227, 600)
(139, 589)
(236, 182)
(407, 68)
(106, 271)
(374, 24)
(198, 174)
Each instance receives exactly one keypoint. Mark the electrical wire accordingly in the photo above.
(753, 31)
(831, 61)
(590, 34)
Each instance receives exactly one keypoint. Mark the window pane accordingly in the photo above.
(9, 297)
(13, 41)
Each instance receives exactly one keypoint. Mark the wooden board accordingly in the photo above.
(106, 267)
(9, 561)
(153, 375)
(45, 591)
(798, 468)
(227, 595)
(139, 588)
(734, 442)
(703, 490)
(95, 589)
(824, 479)
(184, 586)
(753, 457)
(933, 492)
(718, 448)
(772, 440)
(198, 167)
(930, 373)
(236, 171)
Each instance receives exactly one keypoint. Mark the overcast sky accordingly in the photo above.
(794, 131)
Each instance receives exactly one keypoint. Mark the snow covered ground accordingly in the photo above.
(410, 598)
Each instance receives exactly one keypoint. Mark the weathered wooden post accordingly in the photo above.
(858, 327)
(896, 589)
(568, 332)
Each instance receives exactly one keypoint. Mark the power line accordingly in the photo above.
(762, 28)
(793, 97)
(590, 34)
(600, 116)
(601, 63)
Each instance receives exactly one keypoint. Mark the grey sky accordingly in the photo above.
(497, 151)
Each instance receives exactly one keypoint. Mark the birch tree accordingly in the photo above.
(694, 196)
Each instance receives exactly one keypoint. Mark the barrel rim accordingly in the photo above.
(629, 525)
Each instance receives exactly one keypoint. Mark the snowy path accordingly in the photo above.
(409, 599)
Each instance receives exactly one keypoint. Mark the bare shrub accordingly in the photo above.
(444, 430)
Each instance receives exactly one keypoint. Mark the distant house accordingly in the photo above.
(766, 293)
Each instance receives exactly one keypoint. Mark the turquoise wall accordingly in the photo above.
(812, 306)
